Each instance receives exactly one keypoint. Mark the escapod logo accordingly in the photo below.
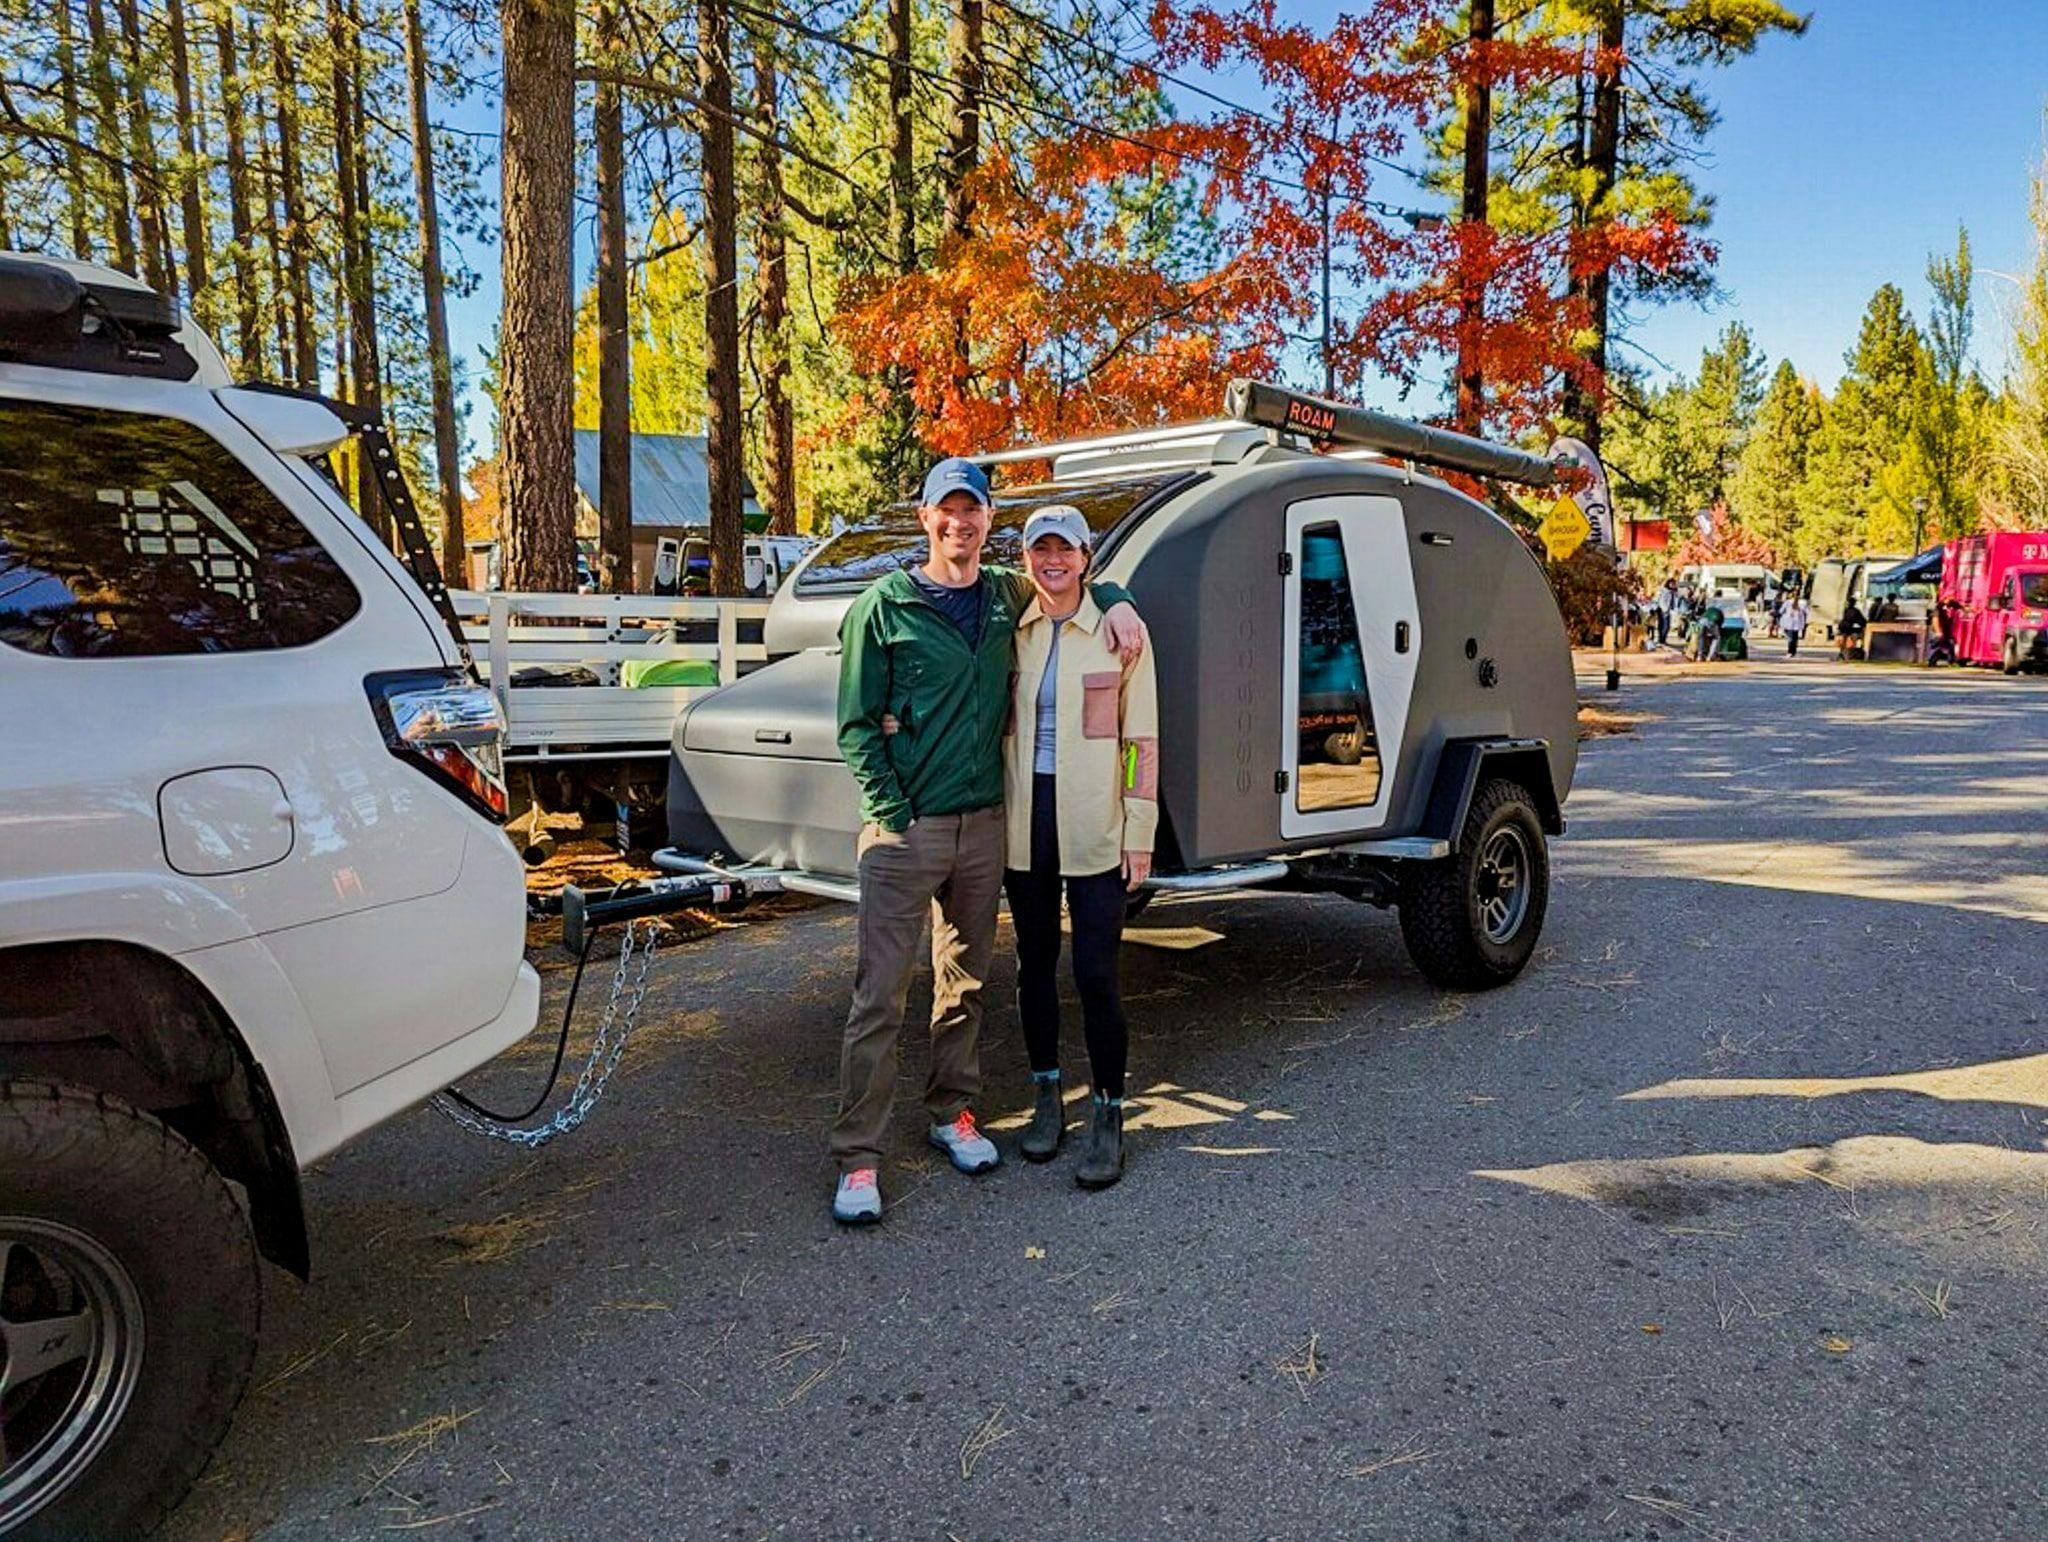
(1310, 418)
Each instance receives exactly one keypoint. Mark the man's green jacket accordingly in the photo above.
(900, 655)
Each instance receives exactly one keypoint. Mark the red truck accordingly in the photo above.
(1994, 598)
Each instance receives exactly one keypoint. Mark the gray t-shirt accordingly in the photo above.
(1045, 754)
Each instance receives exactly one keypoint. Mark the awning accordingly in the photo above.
(1923, 569)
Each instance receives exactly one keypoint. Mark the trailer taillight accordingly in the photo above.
(449, 726)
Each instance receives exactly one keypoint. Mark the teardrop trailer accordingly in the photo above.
(1365, 685)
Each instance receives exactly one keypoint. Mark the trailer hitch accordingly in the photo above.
(582, 914)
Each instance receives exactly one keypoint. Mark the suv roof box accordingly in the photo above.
(51, 317)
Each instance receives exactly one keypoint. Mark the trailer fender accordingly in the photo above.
(1465, 763)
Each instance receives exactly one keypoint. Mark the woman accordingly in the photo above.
(1081, 795)
(1792, 623)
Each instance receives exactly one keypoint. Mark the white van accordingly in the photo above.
(1835, 581)
(253, 894)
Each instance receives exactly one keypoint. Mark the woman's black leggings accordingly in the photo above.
(1096, 905)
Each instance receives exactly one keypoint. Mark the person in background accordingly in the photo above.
(1849, 632)
(1081, 787)
(931, 648)
(1666, 602)
(1792, 622)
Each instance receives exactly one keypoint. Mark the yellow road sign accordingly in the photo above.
(1565, 530)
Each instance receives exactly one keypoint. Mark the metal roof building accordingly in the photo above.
(670, 481)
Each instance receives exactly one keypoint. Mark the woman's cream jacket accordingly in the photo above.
(1107, 714)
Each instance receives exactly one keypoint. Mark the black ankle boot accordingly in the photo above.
(1041, 1141)
(1103, 1162)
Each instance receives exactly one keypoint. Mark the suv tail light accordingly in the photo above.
(449, 726)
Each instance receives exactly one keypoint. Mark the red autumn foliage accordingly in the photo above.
(1070, 332)
(1725, 540)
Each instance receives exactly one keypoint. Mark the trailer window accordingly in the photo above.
(1339, 758)
(894, 539)
(124, 534)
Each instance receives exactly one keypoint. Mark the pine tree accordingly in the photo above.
(1767, 491)
(1948, 402)
(1863, 434)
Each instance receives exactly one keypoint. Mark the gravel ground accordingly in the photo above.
(1725, 1220)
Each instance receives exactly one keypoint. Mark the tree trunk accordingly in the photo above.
(248, 330)
(963, 149)
(157, 269)
(434, 301)
(614, 334)
(771, 262)
(294, 236)
(537, 336)
(275, 215)
(74, 158)
(724, 434)
(119, 216)
(1582, 398)
(1471, 412)
(191, 166)
(900, 427)
(364, 348)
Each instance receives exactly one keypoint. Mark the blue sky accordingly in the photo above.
(1843, 159)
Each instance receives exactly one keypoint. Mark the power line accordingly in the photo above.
(847, 45)
(1105, 52)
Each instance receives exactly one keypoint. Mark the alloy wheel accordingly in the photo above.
(1502, 882)
(70, 1355)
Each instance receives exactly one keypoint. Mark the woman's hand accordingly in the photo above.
(1125, 631)
(889, 724)
(1137, 868)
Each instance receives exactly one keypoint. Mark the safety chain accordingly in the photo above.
(639, 939)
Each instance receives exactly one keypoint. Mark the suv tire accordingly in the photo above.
(1471, 920)
(103, 1205)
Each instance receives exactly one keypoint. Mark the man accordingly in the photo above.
(1665, 601)
(1849, 633)
(932, 648)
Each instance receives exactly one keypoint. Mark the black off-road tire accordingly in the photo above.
(1441, 902)
(90, 1165)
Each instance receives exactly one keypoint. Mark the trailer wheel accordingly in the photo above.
(129, 1302)
(1471, 920)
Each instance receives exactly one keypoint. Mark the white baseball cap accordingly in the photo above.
(1062, 520)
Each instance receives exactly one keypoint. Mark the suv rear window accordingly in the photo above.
(125, 535)
(894, 539)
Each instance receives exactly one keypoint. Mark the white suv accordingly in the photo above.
(253, 896)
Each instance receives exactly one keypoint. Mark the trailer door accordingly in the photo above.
(1354, 635)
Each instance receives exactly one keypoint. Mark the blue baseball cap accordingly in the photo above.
(955, 475)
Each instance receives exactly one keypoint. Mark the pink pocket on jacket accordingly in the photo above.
(1099, 705)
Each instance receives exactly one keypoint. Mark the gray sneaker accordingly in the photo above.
(858, 1201)
(971, 1151)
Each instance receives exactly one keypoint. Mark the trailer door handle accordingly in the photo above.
(1400, 637)
(771, 736)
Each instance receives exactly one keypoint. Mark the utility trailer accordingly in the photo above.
(1365, 685)
(590, 686)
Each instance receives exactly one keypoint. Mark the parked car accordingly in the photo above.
(1994, 594)
(1365, 685)
(1835, 581)
(253, 894)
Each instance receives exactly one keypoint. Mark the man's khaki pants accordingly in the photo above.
(948, 867)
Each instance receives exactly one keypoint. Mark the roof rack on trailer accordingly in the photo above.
(1322, 421)
(1259, 412)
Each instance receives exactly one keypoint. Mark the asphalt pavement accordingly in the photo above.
(1726, 1220)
